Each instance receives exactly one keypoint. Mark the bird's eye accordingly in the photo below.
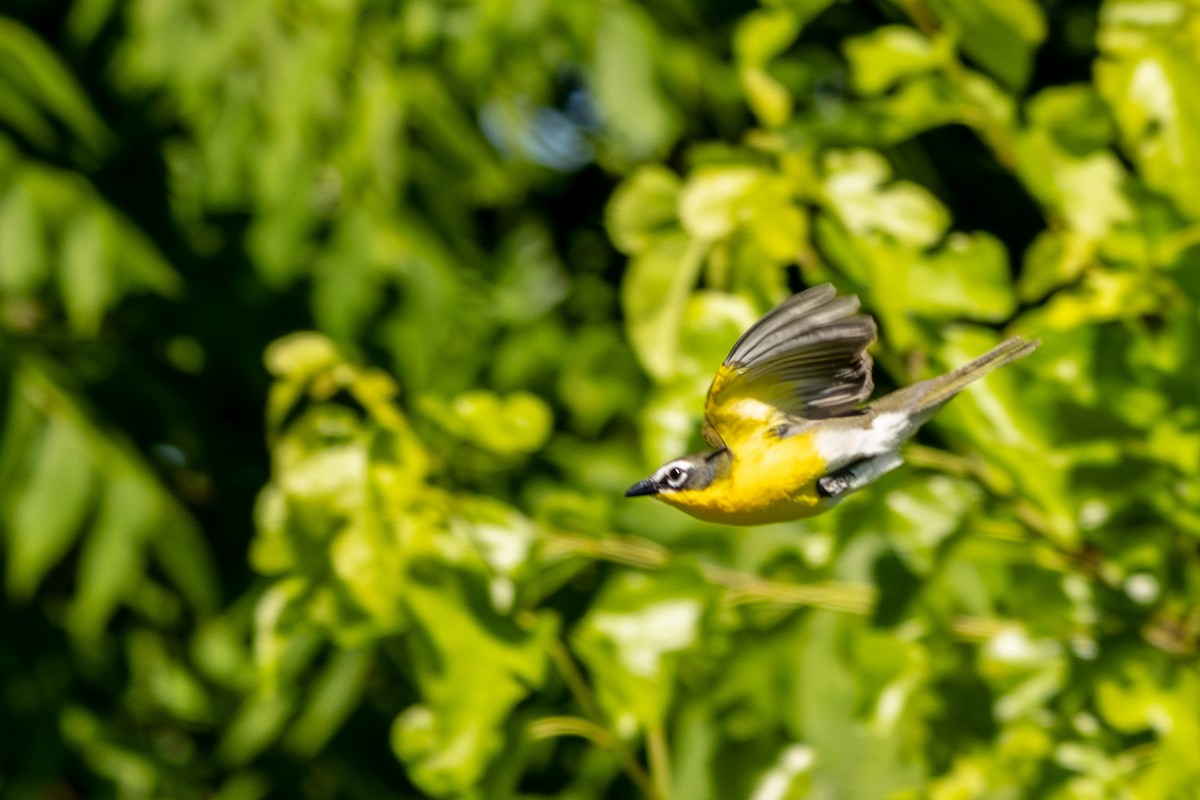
(676, 476)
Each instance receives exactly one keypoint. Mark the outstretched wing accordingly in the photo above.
(807, 358)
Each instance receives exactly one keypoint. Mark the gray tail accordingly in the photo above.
(924, 398)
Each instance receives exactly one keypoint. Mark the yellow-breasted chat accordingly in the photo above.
(783, 416)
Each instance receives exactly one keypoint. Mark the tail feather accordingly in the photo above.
(924, 398)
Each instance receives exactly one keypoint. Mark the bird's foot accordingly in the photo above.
(857, 475)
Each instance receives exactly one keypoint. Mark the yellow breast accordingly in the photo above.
(770, 480)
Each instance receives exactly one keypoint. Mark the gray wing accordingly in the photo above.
(807, 357)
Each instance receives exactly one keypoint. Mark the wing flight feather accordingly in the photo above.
(806, 358)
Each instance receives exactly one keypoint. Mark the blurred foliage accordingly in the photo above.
(240, 561)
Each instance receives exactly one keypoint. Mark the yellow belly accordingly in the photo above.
(770, 480)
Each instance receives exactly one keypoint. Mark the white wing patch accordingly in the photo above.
(842, 446)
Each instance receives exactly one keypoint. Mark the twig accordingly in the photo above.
(660, 760)
(576, 684)
(628, 550)
(595, 728)
(744, 587)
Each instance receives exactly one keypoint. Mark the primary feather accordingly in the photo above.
(807, 358)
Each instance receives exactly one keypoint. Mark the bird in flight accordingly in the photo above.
(783, 420)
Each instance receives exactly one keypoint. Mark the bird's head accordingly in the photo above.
(687, 474)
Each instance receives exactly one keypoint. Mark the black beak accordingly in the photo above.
(643, 487)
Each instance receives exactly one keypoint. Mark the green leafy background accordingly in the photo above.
(331, 333)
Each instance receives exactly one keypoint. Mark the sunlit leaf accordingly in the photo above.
(761, 36)
(1055, 258)
(643, 208)
(888, 55)
(1148, 78)
(48, 512)
(654, 294)
(714, 200)
(518, 423)
(968, 276)
(765, 34)
(24, 260)
(1087, 190)
(631, 639)
(84, 276)
(856, 186)
(471, 671)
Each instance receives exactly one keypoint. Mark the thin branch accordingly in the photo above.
(660, 760)
(595, 728)
(553, 727)
(628, 550)
(747, 588)
(577, 685)
(744, 587)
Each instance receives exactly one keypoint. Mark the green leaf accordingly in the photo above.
(969, 276)
(631, 640)
(1055, 259)
(24, 262)
(804, 10)
(369, 566)
(84, 277)
(516, 424)
(765, 34)
(1088, 191)
(159, 677)
(654, 295)
(671, 418)
(1001, 35)
(643, 209)
(891, 54)
(181, 551)
(504, 540)
(299, 356)
(48, 512)
(531, 280)
(714, 199)
(989, 416)
(332, 696)
(1101, 295)
(855, 752)
(346, 288)
(1075, 115)
(87, 17)
(712, 322)
(114, 552)
(857, 189)
(253, 727)
(770, 99)
(599, 378)
(761, 36)
(918, 516)
(31, 70)
(141, 265)
(471, 668)
(1152, 91)
(634, 108)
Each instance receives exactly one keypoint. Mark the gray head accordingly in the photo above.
(683, 474)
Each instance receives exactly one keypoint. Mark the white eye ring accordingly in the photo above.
(676, 476)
